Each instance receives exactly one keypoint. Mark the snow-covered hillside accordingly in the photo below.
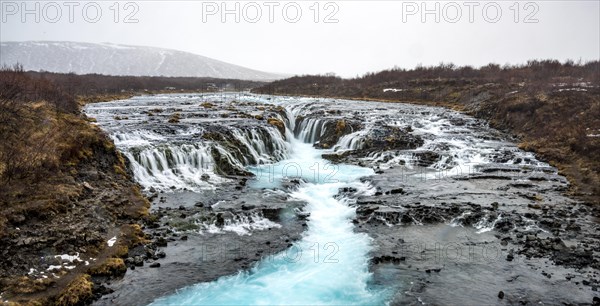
(113, 59)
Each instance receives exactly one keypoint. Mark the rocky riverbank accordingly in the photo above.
(201, 237)
(68, 206)
(75, 222)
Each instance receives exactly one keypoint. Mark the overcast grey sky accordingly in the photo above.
(368, 35)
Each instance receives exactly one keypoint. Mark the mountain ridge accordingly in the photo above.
(121, 60)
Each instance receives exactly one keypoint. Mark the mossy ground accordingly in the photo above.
(76, 194)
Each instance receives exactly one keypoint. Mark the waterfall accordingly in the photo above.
(352, 141)
(241, 224)
(162, 165)
(180, 166)
(263, 145)
(310, 129)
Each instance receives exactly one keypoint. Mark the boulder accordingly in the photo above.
(278, 124)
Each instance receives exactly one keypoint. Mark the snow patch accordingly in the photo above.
(572, 89)
(53, 267)
(68, 257)
(111, 241)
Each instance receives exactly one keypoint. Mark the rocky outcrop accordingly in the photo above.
(225, 166)
(387, 137)
(426, 158)
(334, 130)
(379, 139)
(278, 123)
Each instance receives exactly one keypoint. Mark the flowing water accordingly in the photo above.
(328, 266)
(187, 146)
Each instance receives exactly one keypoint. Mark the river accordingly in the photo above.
(324, 193)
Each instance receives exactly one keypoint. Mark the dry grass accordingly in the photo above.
(556, 125)
(96, 98)
(340, 126)
(175, 118)
(111, 267)
(78, 292)
(48, 153)
(26, 285)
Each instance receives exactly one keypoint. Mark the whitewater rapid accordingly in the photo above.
(328, 266)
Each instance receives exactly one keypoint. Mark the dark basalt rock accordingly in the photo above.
(379, 139)
(336, 129)
(426, 158)
(248, 207)
(391, 138)
(155, 265)
(224, 166)
(396, 191)
(387, 259)
(271, 213)
(138, 261)
(337, 158)
(222, 216)
(502, 156)
(291, 184)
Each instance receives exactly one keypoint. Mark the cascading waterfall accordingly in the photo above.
(352, 141)
(136, 138)
(306, 129)
(329, 265)
(181, 166)
(162, 165)
(310, 129)
(264, 145)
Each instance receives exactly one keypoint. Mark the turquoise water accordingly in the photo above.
(328, 266)
(305, 163)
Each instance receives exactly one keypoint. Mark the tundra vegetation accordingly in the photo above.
(64, 190)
